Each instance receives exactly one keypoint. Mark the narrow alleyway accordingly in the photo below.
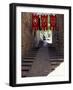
(38, 60)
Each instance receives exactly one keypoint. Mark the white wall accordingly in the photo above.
(4, 44)
(37, 37)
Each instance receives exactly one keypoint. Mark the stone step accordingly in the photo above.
(55, 64)
(27, 61)
(25, 67)
(24, 73)
(34, 51)
(28, 65)
(29, 58)
(26, 70)
(31, 54)
(52, 69)
(56, 60)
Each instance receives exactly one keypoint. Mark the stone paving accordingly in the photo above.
(44, 63)
(41, 65)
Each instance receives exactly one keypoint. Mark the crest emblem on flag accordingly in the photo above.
(44, 22)
(35, 22)
(52, 22)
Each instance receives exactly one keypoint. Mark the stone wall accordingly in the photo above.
(58, 34)
(26, 33)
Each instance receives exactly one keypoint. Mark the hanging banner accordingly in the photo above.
(52, 22)
(44, 22)
(35, 22)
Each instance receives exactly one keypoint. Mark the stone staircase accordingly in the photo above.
(40, 62)
(55, 63)
(27, 62)
(55, 58)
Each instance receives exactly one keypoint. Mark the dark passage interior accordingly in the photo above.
(42, 51)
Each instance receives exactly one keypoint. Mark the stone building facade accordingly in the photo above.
(58, 34)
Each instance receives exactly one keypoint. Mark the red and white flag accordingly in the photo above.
(35, 21)
(44, 22)
(52, 22)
